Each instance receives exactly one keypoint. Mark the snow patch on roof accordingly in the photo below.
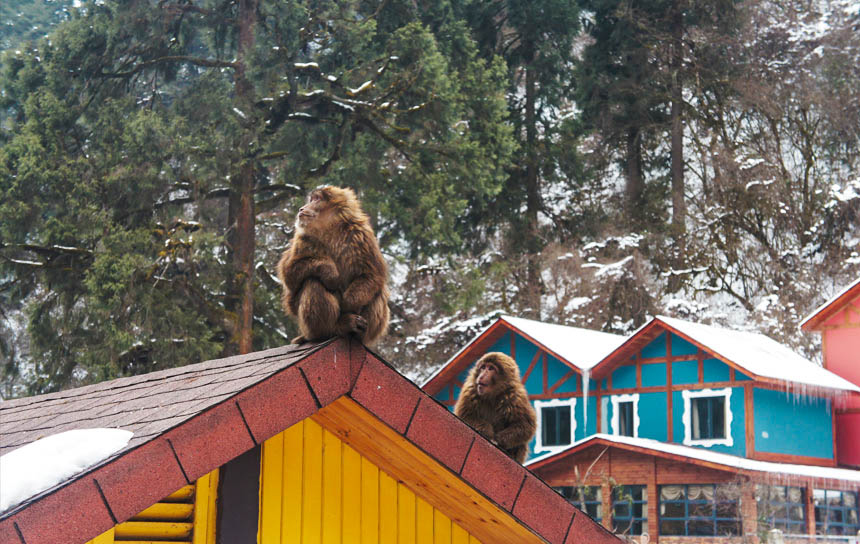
(731, 461)
(46, 462)
(760, 355)
(582, 348)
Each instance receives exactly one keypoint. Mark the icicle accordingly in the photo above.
(586, 377)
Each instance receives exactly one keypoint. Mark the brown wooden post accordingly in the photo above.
(810, 510)
(653, 505)
(749, 510)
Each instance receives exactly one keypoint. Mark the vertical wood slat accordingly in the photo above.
(312, 485)
(291, 513)
(351, 495)
(387, 509)
(316, 488)
(270, 496)
(332, 489)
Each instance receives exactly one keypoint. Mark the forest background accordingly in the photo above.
(584, 162)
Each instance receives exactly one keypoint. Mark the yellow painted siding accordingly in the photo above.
(186, 516)
(316, 489)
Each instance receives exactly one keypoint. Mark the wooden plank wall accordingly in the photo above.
(317, 489)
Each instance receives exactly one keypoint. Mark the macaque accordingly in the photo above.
(495, 403)
(334, 278)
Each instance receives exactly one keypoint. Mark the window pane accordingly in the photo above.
(673, 510)
(672, 527)
(564, 425)
(728, 527)
(625, 418)
(549, 422)
(700, 527)
(718, 417)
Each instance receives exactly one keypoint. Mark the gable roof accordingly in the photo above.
(756, 355)
(578, 348)
(824, 312)
(188, 421)
(701, 457)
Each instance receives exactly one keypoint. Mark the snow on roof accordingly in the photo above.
(46, 462)
(760, 355)
(582, 348)
(730, 461)
(830, 301)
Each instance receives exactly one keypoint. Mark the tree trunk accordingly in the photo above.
(635, 188)
(533, 279)
(242, 215)
(679, 205)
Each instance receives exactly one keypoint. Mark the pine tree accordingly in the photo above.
(150, 150)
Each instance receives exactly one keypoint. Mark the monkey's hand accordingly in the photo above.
(299, 340)
(351, 323)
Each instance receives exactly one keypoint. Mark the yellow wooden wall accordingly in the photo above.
(316, 489)
(186, 516)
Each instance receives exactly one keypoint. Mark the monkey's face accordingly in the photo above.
(315, 209)
(488, 378)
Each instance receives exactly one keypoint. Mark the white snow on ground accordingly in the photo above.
(731, 461)
(760, 355)
(49, 461)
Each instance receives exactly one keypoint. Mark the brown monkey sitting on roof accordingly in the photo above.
(334, 277)
(494, 402)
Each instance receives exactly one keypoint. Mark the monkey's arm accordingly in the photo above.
(368, 277)
(521, 424)
(321, 268)
(307, 258)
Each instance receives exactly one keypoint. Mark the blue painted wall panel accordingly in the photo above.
(652, 416)
(682, 347)
(685, 372)
(677, 414)
(715, 371)
(790, 425)
(741, 377)
(624, 377)
(525, 353)
(654, 375)
(557, 370)
(657, 347)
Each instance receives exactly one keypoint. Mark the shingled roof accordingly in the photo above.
(188, 421)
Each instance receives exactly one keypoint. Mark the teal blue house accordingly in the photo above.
(674, 405)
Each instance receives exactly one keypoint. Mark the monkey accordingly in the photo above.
(334, 278)
(495, 403)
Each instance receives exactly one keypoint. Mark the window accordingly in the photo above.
(630, 509)
(835, 512)
(700, 510)
(555, 425)
(707, 417)
(625, 415)
(781, 507)
(586, 497)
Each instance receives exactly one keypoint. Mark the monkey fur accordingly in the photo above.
(335, 281)
(503, 414)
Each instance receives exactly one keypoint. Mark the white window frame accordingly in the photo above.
(687, 418)
(615, 424)
(539, 404)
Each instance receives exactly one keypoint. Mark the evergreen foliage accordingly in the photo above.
(590, 163)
